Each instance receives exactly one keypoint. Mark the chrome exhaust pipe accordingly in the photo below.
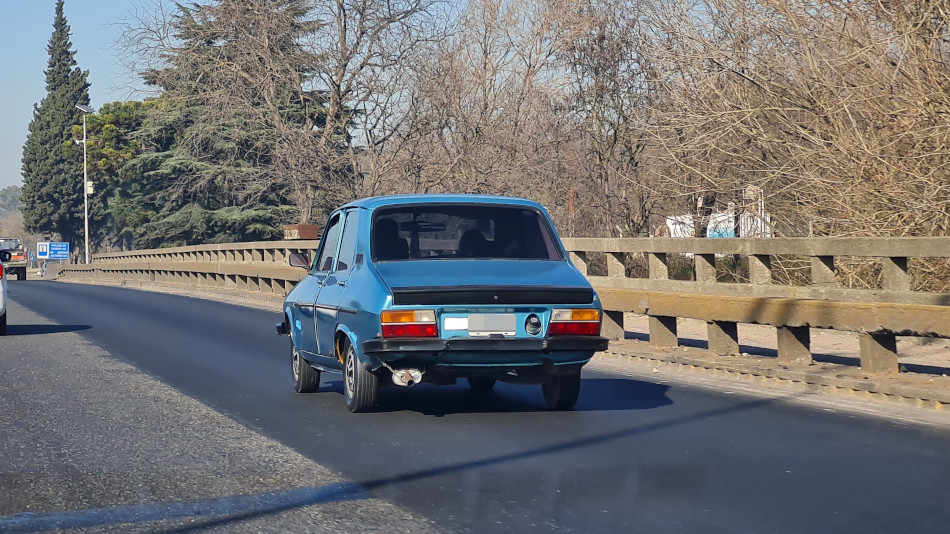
(407, 377)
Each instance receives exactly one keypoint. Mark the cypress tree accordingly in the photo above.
(52, 200)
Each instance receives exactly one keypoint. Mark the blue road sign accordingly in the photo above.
(30, 256)
(59, 251)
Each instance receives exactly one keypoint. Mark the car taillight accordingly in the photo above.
(408, 323)
(574, 322)
(1, 270)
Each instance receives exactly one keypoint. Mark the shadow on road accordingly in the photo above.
(222, 512)
(40, 329)
(597, 394)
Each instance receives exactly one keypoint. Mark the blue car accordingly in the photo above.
(434, 288)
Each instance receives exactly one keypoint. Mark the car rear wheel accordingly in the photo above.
(560, 392)
(481, 384)
(359, 385)
(306, 378)
(3, 324)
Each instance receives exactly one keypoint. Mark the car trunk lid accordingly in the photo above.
(493, 282)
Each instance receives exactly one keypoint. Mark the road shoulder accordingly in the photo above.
(92, 443)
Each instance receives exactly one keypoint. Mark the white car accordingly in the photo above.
(3, 302)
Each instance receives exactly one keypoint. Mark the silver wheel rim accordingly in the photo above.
(296, 365)
(350, 372)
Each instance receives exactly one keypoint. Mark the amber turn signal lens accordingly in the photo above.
(576, 314)
(407, 316)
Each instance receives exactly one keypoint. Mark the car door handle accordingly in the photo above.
(341, 283)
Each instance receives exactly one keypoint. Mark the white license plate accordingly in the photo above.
(484, 324)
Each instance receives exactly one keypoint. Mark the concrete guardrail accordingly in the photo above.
(877, 316)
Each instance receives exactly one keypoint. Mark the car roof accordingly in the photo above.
(372, 203)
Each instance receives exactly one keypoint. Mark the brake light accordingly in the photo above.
(1, 270)
(574, 322)
(408, 323)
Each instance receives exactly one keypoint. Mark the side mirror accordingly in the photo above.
(300, 260)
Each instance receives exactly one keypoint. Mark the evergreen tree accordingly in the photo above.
(52, 200)
(242, 121)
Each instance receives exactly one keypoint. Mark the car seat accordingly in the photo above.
(387, 245)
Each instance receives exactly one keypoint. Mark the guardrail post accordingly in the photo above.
(615, 266)
(794, 344)
(822, 270)
(663, 332)
(579, 259)
(896, 277)
(723, 337)
(878, 352)
(705, 265)
(612, 326)
(659, 268)
(760, 269)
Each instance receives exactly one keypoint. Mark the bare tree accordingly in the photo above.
(836, 109)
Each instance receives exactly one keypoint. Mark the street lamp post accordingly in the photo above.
(85, 177)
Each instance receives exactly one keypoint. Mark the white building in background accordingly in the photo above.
(680, 226)
(722, 225)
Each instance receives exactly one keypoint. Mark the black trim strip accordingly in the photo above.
(449, 295)
(462, 344)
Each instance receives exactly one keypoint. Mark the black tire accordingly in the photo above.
(359, 385)
(3, 324)
(481, 384)
(306, 378)
(21, 275)
(560, 392)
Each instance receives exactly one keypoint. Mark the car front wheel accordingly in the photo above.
(306, 378)
(359, 385)
(560, 392)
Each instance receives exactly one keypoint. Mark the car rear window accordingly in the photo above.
(461, 231)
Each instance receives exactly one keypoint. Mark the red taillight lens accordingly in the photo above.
(1, 270)
(574, 322)
(409, 330)
(408, 323)
(574, 329)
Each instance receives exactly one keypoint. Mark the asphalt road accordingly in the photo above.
(634, 456)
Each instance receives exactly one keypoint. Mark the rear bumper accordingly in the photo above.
(382, 347)
(528, 361)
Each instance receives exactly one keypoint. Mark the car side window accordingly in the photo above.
(329, 245)
(348, 243)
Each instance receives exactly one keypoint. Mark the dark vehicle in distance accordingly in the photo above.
(13, 257)
(434, 288)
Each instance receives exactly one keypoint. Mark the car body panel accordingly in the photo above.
(349, 290)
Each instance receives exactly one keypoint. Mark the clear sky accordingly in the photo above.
(25, 29)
